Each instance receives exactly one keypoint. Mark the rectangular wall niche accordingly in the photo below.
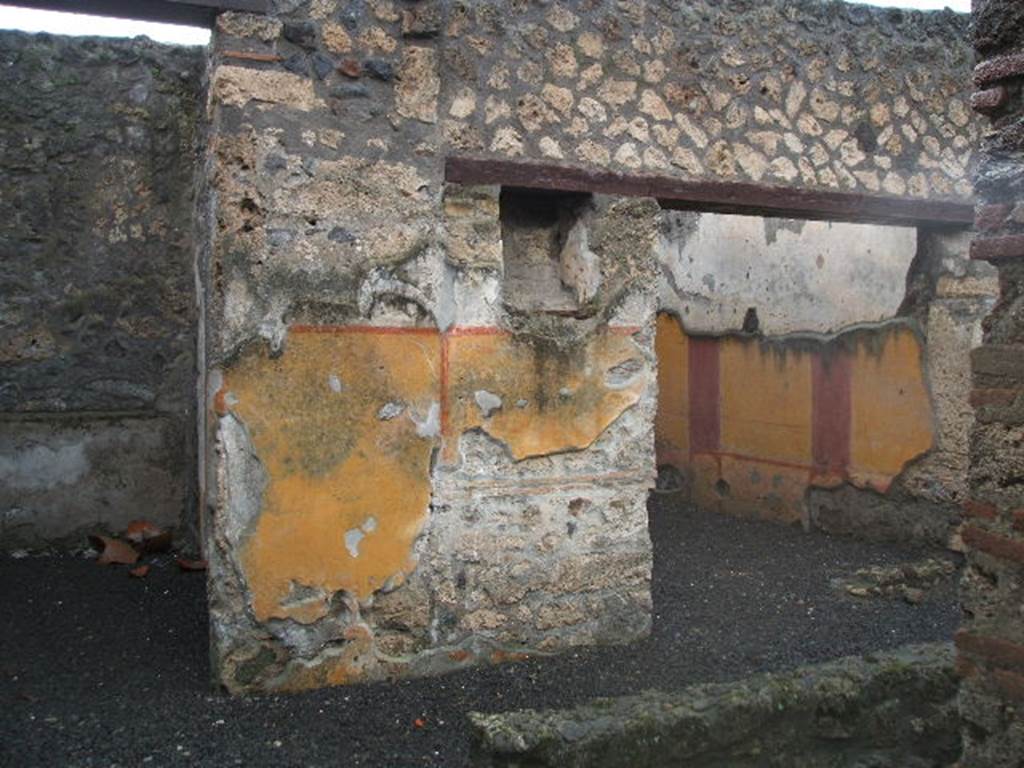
(549, 266)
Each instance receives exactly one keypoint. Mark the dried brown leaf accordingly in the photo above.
(139, 530)
(148, 537)
(160, 543)
(140, 571)
(191, 565)
(113, 550)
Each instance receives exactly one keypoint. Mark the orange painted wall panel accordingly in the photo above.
(551, 400)
(704, 472)
(765, 402)
(763, 490)
(890, 405)
(348, 479)
(862, 401)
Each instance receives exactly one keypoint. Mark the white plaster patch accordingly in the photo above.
(353, 537)
(390, 410)
(487, 402)
(799, 276)
(39, 467)
(431, 425)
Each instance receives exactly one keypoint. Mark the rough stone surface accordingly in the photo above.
(97, 319)
(734, 92)
(893, 516)
(909, 581)
(890, 710)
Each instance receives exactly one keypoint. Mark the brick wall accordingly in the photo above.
(991, 640)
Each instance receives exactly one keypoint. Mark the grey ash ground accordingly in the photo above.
(99, 669)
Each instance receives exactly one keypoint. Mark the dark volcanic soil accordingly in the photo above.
(99, 669)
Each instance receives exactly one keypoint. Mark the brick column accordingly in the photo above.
(991, 641)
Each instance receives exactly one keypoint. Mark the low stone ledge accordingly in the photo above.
(896, 708)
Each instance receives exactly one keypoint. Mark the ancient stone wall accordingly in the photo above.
(889, 710)
(809, 94)
(432, 405)
(991, 640)
(814, 372)
(97, 316)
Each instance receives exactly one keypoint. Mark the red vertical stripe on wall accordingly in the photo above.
(705, 395)
(831, 411)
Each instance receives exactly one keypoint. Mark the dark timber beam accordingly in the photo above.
(196, 12)
(717, 196)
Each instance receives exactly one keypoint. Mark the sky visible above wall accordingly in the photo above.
(79, 24)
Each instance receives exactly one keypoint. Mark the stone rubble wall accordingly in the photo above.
(990, 642)
(891, 710)
(98, 156)
(795, 93)
(432, 406)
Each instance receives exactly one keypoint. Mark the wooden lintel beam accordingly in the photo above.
(196, 12)
(716, 196)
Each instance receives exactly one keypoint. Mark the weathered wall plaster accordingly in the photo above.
(764, 420)
(401, 499)
(798, 276)
(412, 499)
(769, 414)
(98, 152)
(331, 218)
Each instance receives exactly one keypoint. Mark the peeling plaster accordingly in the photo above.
(329, 463)
(515, 371)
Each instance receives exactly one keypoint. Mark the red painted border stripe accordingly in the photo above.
(718, 455)
(444, 336)
(705, 396)
(831, 410)
(386, 329)
(445, 408)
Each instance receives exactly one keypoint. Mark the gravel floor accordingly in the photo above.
(99, 669)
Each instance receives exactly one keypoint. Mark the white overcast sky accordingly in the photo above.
(77, 24)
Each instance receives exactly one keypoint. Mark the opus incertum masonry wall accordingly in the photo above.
(99, 148)
(431, 406)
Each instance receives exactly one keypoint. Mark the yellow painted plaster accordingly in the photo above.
(335, 467)
(551, 400)
(766, 402)
(890, 408)
(764, 490)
